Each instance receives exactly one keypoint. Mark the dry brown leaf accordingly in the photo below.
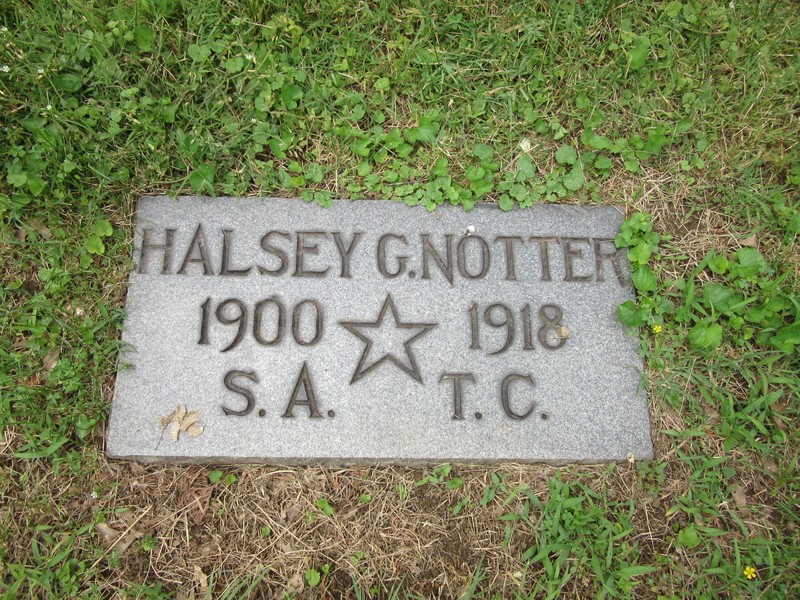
(51, 359)
(295, 584)
(168, 418)
(126, 540)
(292, 512)
(180, 420)
(127, 516)
(751, 241)
(779, 407)
(40, 228)
(771, 466)
(190, 419)
(174, 431)
(109, 533)
(714, 418)
(201, 579)
(195, 501)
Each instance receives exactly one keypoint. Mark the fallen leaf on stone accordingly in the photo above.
(182, 421)
(174, 431)
(170, 417)
(50, 359)
(190, 419)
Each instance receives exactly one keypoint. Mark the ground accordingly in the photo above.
(683, 114)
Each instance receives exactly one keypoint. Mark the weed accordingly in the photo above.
(325, 506)
(682, 110)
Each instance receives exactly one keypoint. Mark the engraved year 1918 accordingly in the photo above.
(552, 334)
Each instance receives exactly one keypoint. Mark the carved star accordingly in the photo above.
(389, 338)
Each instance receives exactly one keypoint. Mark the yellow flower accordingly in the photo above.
(750, 572)
(657, 329)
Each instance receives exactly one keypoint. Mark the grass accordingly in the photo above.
(683, 111)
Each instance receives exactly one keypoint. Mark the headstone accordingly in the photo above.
(277, 331)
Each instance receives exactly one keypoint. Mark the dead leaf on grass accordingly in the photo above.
(780, 407)
(40, 228)
(295, 584)
(201, 579)
(111, 537)
(120, 542)
(751, 241)
(51, 359)
(126, 540)
(195, 501)
(78, 311)
(126, 514)
(182, 421)
(714, 418)
(291, 513)
(109, 533)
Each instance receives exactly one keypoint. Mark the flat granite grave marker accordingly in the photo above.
(272, 330)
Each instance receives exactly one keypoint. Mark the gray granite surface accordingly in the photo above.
(371, 332)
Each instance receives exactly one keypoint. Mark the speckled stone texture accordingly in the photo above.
(371, 332)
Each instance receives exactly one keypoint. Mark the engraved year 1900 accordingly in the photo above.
(269, 318)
